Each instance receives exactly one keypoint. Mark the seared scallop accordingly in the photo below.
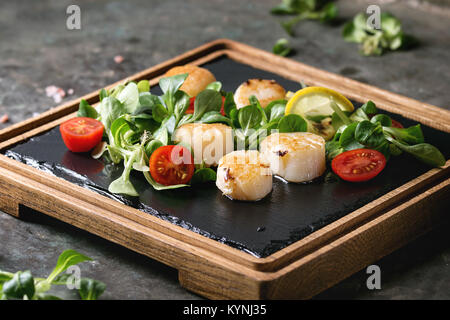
(209, 141)
(265, 91)
(196, 81)
(244, 175)
(295, 156)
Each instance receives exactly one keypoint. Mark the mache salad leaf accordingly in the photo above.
(375, 42)
(366, 128)
(23, 285)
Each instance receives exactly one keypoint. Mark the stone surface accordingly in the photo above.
(38, 51)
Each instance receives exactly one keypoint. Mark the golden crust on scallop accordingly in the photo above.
(197, 79)
(244, 175)
(209, 141)
(293, 141)
(295, 156)
(264, 90)
(245, 164)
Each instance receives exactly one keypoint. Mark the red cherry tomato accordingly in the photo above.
(81, 134)
(190, 110)
(396, 124)
(358, 165)
(191, 106)
(170, 165)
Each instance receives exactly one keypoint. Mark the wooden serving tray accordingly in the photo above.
(214, 269)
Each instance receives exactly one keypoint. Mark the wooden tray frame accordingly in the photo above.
(215, 270)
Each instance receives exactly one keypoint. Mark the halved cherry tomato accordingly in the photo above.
(81, 134)
(171, 165)
(191, 106)
(396, 124)
(359, 164)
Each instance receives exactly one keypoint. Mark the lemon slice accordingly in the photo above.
(315, 101)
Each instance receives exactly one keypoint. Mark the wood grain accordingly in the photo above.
(216, 270)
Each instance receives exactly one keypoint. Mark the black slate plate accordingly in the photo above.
(289, 213)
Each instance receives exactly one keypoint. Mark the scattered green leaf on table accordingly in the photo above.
(91, 289)
(282, 48)
(19, 286)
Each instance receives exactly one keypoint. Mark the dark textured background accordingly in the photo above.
(37, 51)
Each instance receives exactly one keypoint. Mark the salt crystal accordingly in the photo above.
(61, 92)
(57, 98)
(118, 59)
(51, 90)
(4, 118)
(55, 92)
